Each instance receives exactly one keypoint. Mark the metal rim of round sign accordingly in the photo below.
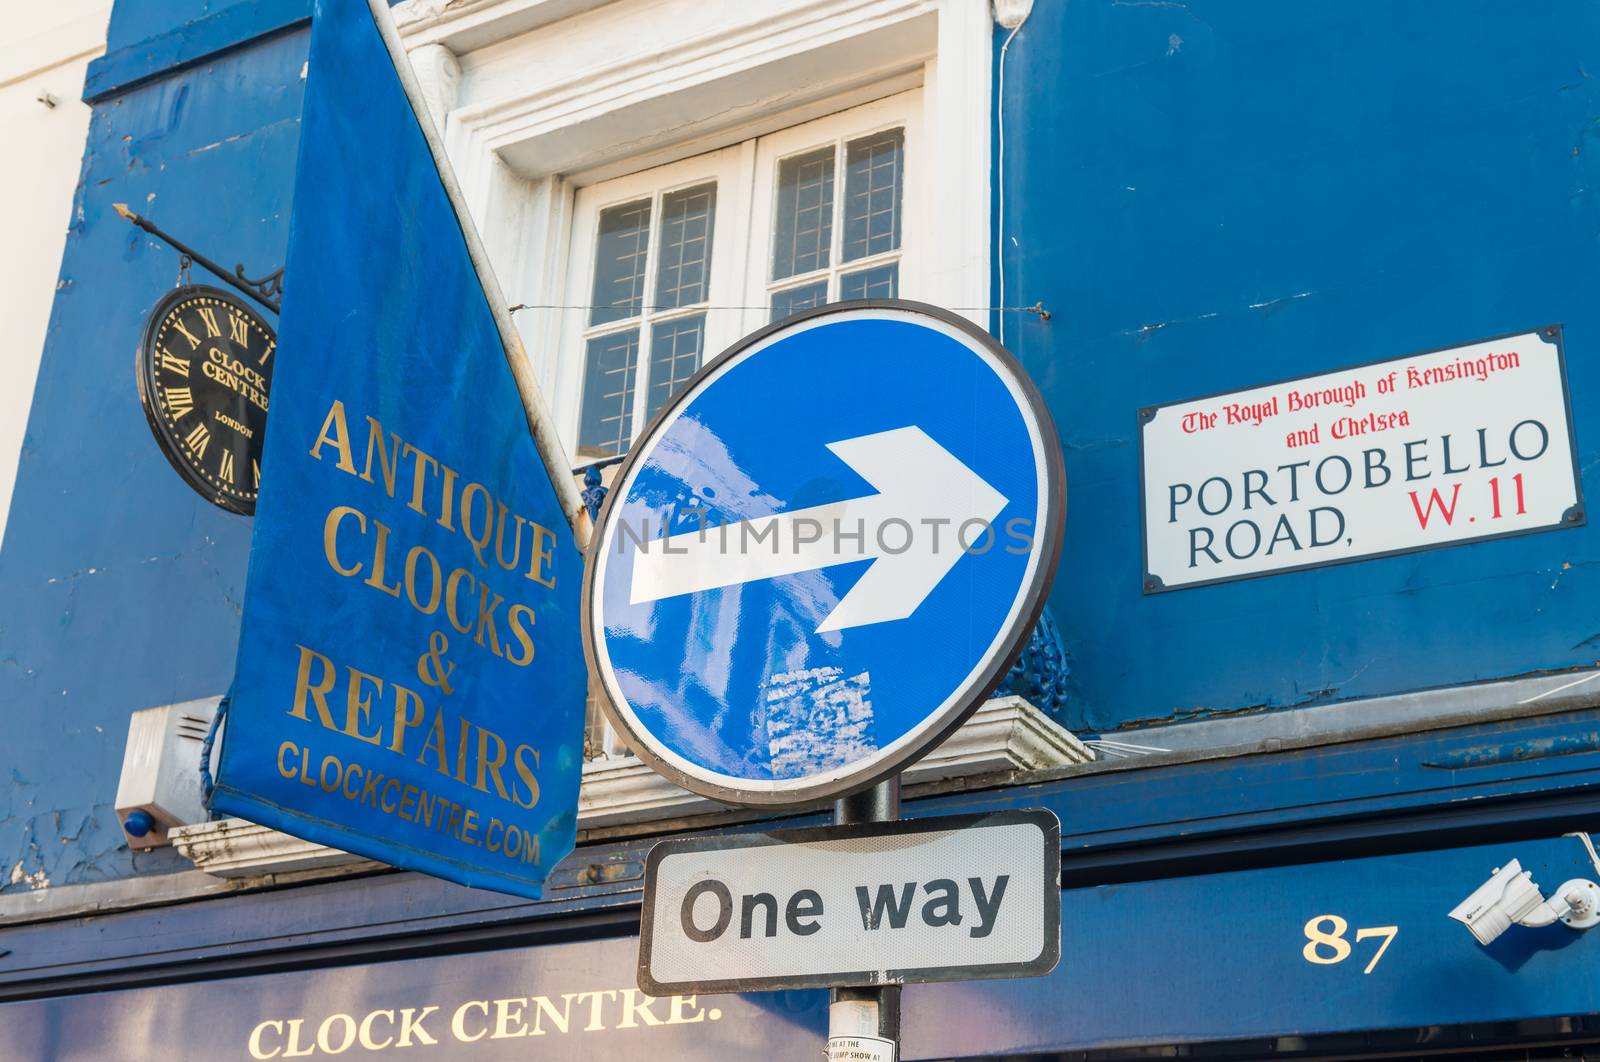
(941, 720)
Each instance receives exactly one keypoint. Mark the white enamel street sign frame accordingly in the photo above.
(823, 553)
(958, 898)
(1440, 448)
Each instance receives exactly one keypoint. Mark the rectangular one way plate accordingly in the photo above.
(944, 899)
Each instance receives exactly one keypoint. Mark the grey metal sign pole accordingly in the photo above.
(854, 1013)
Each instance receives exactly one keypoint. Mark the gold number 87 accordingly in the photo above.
(1328, 946)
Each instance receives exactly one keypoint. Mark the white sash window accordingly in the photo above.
(678, 261)
(841, 200)
(649, 252)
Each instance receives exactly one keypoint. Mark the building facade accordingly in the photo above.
(1285, 737)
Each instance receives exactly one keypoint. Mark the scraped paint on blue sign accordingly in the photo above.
(409, 684)
(824, 553)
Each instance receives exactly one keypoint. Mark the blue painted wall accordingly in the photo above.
(138, 22)
(119, 587)
(1177, 176)
(1216, 194)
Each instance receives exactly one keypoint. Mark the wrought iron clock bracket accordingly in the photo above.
(267, 290)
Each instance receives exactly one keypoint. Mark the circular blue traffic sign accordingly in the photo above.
(823, 553)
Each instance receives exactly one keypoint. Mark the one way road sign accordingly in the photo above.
(946, 899)
(823, 553)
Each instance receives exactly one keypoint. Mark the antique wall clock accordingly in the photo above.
(205, 371)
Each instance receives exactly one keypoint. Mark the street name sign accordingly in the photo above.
(1434, 449)
(823, 553)
(943, 899)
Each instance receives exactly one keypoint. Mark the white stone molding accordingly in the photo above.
(626, 109)
(1004, 736)
(462, 25)
(234, 848)
(439, 74)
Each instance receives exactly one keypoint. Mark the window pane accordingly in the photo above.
(606, 425)
(873, 173)
(685, 246)
(793, 300)
(880, 283)
(619, 262)
(674, 356)
(804, 222)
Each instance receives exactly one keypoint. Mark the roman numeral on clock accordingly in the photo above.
(194, 340)
(198, 439)
(225, 471)
(209, 317)
(174, 364)
(239, 330)
(180, 400)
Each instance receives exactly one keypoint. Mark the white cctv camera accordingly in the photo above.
(1511, 896)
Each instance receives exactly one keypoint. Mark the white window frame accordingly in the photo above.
(743, 238)
(723, 168)
(901, 111)
(539, 98)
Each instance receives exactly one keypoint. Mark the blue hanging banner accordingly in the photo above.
(410, 683)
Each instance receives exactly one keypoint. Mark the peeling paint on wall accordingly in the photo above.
(120, 588)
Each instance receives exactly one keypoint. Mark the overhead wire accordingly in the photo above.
(1036, 309)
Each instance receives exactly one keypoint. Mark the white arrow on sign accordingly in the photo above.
(918, 482)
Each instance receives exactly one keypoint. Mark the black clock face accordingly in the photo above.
(205, 370)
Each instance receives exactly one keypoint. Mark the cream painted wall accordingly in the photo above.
(44, 48)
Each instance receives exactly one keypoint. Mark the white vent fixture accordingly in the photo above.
(160, 785)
